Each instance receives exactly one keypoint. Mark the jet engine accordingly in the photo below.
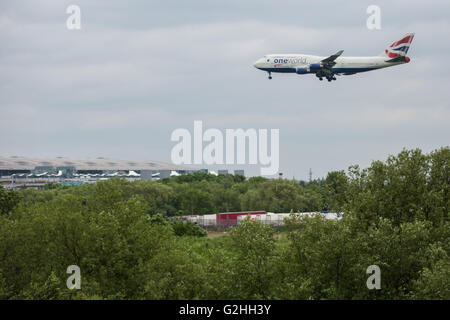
(315, 66)
(302, 70)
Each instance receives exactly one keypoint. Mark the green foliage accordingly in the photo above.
(113, 245)
(336, 186)
(396, 216)
(195, 200)
(408, 187)
(254, 263)
(53, 185)
(434, 279)
(280, 196)
(188, 229)
(8, 200)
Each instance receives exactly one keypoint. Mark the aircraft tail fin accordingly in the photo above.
(399, 48)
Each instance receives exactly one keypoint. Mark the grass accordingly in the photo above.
(215, 234)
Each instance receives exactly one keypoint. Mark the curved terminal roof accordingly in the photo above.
(21, 163)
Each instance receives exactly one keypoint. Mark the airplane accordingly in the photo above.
(328, 67)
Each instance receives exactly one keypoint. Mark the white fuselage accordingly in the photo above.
(293, 63)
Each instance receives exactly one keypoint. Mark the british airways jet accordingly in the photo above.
(328, 67)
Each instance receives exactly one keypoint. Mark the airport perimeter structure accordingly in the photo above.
(21, 172)
(32, 172)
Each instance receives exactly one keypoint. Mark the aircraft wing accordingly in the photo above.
(325, 67)
(333, 57)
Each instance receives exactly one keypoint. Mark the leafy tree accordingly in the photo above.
(8, 200)
(336, 184)
(434, 280)
(407, 187)
(253, 268)
(274, 196)
(195, 201)
(118, 232)
(188, 229)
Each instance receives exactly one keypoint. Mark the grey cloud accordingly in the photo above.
(134, 73)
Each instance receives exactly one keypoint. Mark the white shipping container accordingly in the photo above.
(278, 218)
(207, 220)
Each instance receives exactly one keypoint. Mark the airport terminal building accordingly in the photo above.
(20, 172)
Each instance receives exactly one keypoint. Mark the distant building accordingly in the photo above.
(164, 174)
(18, 172)
(146, 174)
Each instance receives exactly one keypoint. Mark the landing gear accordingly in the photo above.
(270, 76)
(325, 73)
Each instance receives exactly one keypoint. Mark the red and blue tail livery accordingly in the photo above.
(400, 47)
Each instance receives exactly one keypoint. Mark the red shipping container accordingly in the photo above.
(231, 218)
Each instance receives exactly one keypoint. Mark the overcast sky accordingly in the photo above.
(137, 70)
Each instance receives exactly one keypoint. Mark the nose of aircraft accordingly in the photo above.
(257, 63)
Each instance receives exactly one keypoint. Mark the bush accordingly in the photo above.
(188, 229)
